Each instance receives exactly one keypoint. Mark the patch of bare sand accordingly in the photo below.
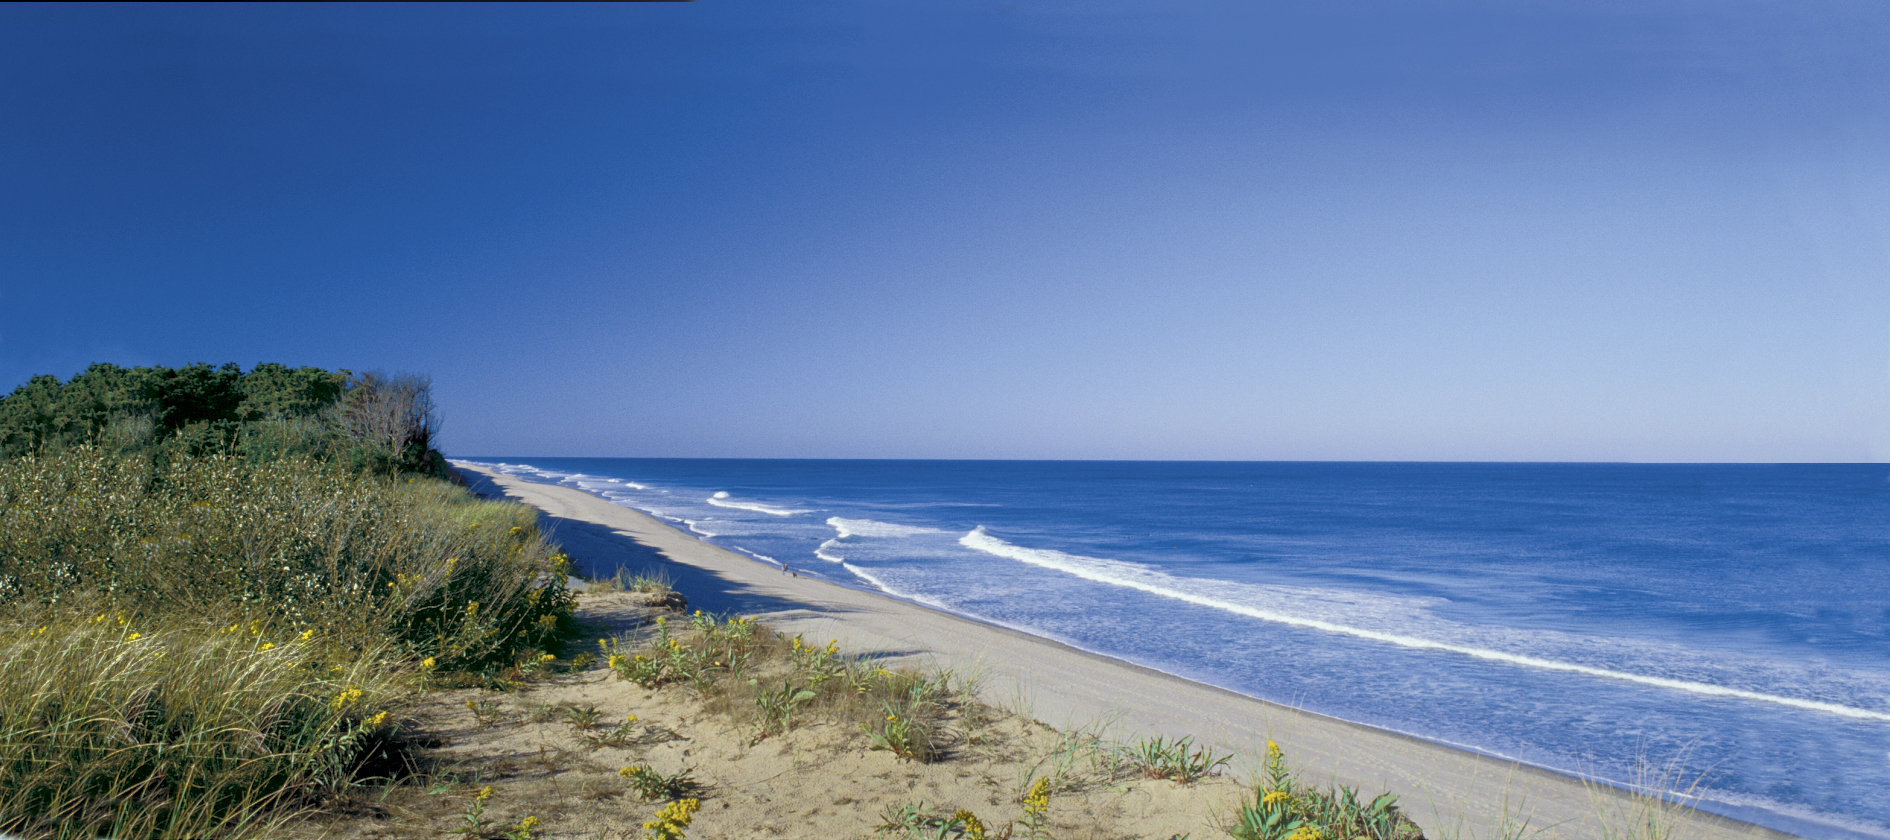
(820, 779)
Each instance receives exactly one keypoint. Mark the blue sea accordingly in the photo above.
(1578, 617)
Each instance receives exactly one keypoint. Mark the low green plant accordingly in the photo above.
(535, 663)
(903, 711)
(1178, 760)
(629, 733)
(1284, 809)
(473, 822)
(1072, 755)
(486, 710)
(914, 821)
(776, 707)
(652, 785)
(901, 736)
(581, 717)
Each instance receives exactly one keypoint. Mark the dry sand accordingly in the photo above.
(816, 781)
(1449, 792)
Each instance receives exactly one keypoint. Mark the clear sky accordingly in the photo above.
(1508, 230)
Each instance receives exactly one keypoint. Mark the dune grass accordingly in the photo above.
(769, 682)
(195, 645)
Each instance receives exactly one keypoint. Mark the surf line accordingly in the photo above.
(1076, 565)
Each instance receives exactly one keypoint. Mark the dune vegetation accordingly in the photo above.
(218, 589)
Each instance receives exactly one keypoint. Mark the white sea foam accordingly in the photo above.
(1209, 594)
(696, 526)
(869, 528)
(882, 586)
(844, 528)
(758, 556)
(721, 499)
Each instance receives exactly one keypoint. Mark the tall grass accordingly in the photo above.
(294, 543)
(177, 731)
(192, 643)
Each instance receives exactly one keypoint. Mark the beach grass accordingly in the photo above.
(196, 645)
(768, 682)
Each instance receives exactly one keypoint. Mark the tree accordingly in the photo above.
(392, 417)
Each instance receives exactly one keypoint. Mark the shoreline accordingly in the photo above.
(1448, 790)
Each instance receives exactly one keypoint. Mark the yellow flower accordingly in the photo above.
(308, 634)
(527, 824)
(378, 719)
(630, 719)
(670, 821)
(1038, 800)
(1275, 796)
(428, 663)
(348, 697)
(134, 637)
(974, 827)
(484, 794)
(267, 646)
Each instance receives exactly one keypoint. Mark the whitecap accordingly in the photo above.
(721, 499)
(1135, 576)
(870, 528)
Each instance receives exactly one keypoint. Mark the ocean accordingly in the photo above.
(1727, 623)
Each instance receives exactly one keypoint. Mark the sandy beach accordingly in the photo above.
(1447, 791)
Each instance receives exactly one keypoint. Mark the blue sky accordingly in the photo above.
(1651, 231)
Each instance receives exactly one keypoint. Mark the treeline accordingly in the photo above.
(372, 421)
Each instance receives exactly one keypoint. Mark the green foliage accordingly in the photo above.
(113, 724)
(898, 711)
(1179, 760)
(376, 422)
(1283, 809)
(914, 821)
(652, 785)
(291, 542)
